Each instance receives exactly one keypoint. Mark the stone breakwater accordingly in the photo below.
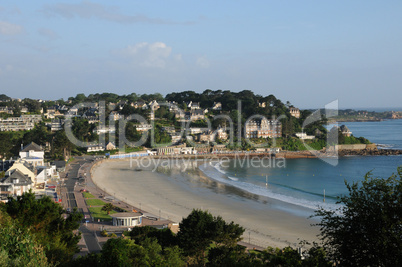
(370, 152)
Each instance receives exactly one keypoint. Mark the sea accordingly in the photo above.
(308, 183)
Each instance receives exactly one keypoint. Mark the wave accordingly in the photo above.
(262, 191)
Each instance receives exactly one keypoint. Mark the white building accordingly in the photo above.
(126, 218)
(33, 154)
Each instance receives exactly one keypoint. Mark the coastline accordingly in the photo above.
(157, 193)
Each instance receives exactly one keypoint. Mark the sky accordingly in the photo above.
(307, 52)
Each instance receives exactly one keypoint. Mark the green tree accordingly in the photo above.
(44, 219)
(18, 246)
(200, 229)
(123, 252)
(108, 207)
(367, 229)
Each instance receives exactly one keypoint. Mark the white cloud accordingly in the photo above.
(149, 55)
(7, 28)
(202, 62)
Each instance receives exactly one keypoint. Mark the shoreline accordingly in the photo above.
(265, 224)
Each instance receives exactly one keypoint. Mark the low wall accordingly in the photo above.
(352, 147)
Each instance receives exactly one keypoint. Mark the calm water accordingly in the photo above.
(302, 181)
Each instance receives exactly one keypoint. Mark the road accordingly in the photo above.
(87, 229)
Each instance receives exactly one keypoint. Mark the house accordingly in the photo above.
(217, 106)
(295, 112)
(56, 124)
(304, 136)
(7, 110)
(176, 138)
(262, 104)
(196, 130)
(207, 136)
(33, 154)
(345, 130)
(221, 134)
(15, 183)
(110, 146)
(24, 167)
(143, 127)
(196, 114)
(115, 115)
(263, 128)
(153, 105)
(140, 104)
(60, 165)
(193, 105)
(104, 129)
(173, 106)
(95, 148)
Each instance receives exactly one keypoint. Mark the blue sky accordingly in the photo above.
(306, 52)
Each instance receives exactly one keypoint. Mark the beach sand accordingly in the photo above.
(267, 222)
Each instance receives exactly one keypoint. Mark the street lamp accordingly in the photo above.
(249, 238)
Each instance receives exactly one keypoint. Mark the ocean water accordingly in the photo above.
(302, 182)
(387, 133)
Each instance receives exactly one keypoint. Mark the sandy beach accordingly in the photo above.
(267, 221)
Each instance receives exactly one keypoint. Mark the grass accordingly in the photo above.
(88, 195)
(98, 214)
(95, 202)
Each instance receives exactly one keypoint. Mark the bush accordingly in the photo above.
(103, 233)
(112, 235)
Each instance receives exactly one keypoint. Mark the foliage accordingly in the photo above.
(18, 246)
(82, 130)
(200, 229)
(44, 219)
(367, 228)
(103, 233)
(108, 207)
(165, 237)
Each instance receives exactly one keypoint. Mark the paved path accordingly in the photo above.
(73, 198)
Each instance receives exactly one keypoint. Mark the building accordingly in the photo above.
(193, 105)
(345, 130)
(143, 127)
(195, 114)
(126, 219)
(56, 124)
(295, 112)
(95, 148)
(33, 154)
(263, 128)
(207, 136)
(153, 105)
(304, 136)
(22, 123)
(110, 146)
(217, 106)
(15, 183)
(24, 167)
